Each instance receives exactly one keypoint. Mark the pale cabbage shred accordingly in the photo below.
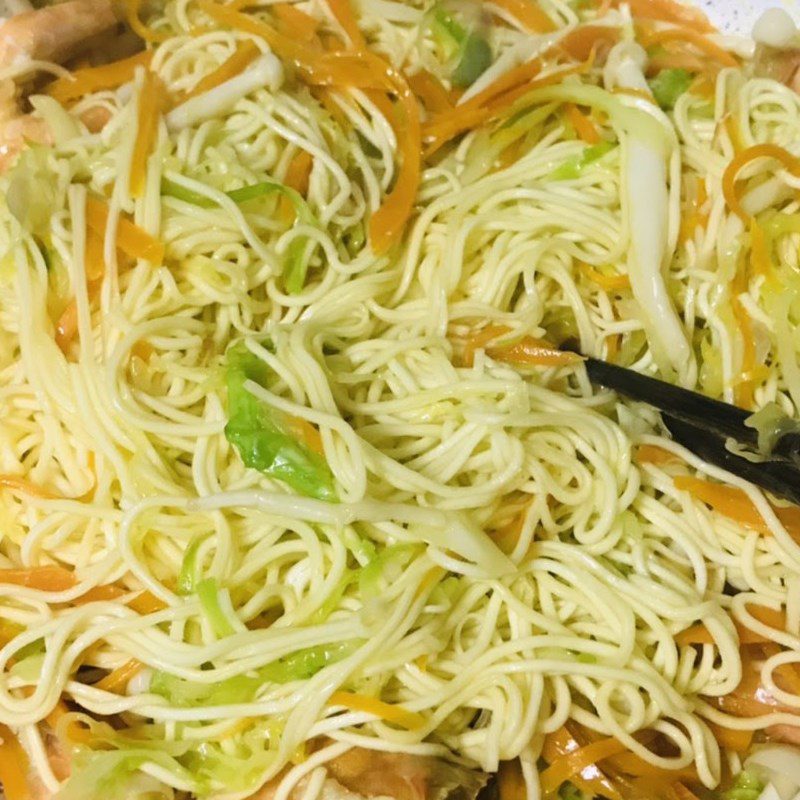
(425, 455)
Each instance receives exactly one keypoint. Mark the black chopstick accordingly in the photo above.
(704, 426)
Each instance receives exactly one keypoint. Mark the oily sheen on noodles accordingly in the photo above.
(500, 559)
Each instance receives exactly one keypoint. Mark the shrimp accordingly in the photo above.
(53, 33)
(360, 773)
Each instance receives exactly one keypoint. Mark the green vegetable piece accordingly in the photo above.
(189, 574)
(669, 85)
(171, 189)
(261, 436)
(295, 266)
(747, 787)
(31, 193)
(476, 57)
(572, 169)
(208, 594)
(568, 791)
(306, 663)
(190, 694)
(449, 33)
(298, 666)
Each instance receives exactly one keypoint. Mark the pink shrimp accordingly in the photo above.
(53, 33)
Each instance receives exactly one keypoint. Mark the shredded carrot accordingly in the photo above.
(371, 705)
(583, 125)
(745, 385)
(697, 218)
(575, 762)
(532, 351)
(143, 603)
(428, 88)
(151, 102)
(734, 134)
(699, 633)
(560, 744)
(653, 454)
(735, 504)
(43, 579)
(132, 10)
(296, 23)
(94, 79)
(682, 60)
(146, 603)
(671, 11)
(246, 52)
(131, 239)
(298, 172)
(343, 11)
(608, 282)
(493, 101)
(13, 767)
(510, 781)
(632, 765)
(302, 429)
(117, 679)
(364, 70)
(612, 346)
(703, 86)
(729, 189)
(94, 258)
(581, 42)
(680, 791)
(16, 484)
(67, 325)
(730, 738)
(528, 14)
(759, 252)
(692, 37)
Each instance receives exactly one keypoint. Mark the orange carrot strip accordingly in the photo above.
(576, 761)
(787, 160)
(391, 713)
(367, 71)
(730, 738)
(687, 61)
(295, 23)
(44, 579)
(653, 454)
(631, 92)
(152, 98)
(558, 745)
(671, 11)
(608, 282)
(246, 52)
(510, 781)
(299, 172)
(583, 125)
(13, 767)
(532, 351)
(428, 88)
(132, 10)
(118, 679)
(736, 505)
(17, 484)
(759, 253)
(131, 239)
(94, 258)
(693, 37)
(94, 79)
(581, 42)
(528, 14)
(146, 603)
(343, 12)
(302, 429)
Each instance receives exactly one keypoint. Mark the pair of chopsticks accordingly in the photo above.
(706, 426)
